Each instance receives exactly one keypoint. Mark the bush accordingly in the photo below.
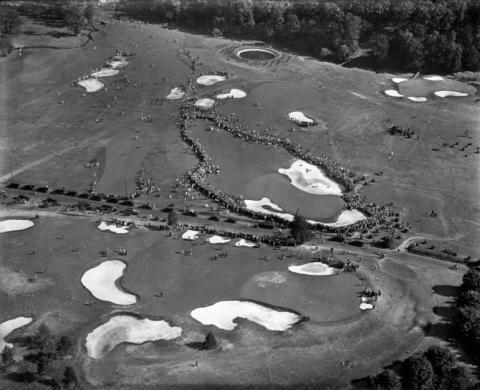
(386, 380)
(417, 373)
(172, 218)
(210, 342)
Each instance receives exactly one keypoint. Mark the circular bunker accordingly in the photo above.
(256, 54)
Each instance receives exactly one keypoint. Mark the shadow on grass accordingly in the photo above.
(446, 291)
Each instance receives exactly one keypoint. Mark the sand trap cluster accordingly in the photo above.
(218, 240)
(316, 269)
(311, 179)
(176, 94)
(222, 314)
(101, 282)
(127, 329)
(190, 235)
(205, 103)
(12, 225)
(443, 94)
(300, 118)
(105, 72)
(91, 85)
(9, 326)
(346, 217)
(113, 228)
(210, 79)
(233, 94)
(243, 242)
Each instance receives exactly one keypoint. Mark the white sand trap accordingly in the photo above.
(398, 80)
(417, 99)
(316, 269)
(311, 179)
(118, 62)
(450, 93)
(223, 313)
(91, 85)
(366, 306)
(243, 242)
(100, 281)
(205, 103)
(9, 326)
(434, 78)
(113, 228)
(12, 225)
(218, 240)
(233, 94)
(105, 72)
(190, 235)
(392, 93)
(258, 206)
(210, 79)
(127, 329)
(346, 217)
(176, 94)
(299, 117)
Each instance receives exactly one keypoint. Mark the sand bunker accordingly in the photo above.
(101, 282)
(417, 99)
(118, 62)
(176, 94)
(210, 79)
(105, 72)
(256, 54)
(222, 314)
(299, 117)
(12, 225)
(190, 235)
(127, 329)
(218, 240)
(9, 326)
(434, 78)
(449, 93)
(259, 207)
(91, 85)
(316, 268)
(311, 179)
(398, 80)
(233, 94)
(366, 306)
(205, 103)
(346, 217)
(393, 93)
(113, 228)
(243, 242)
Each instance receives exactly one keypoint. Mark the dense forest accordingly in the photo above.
(440, 36)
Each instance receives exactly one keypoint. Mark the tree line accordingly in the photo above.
(426, 35)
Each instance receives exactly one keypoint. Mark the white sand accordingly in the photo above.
(12, 225)
(113, 228)
(205, 103)
(210, 79)
(190, 235)
(393, 93)
(223, 313)
(417, 99)
(398, 80)
(258, 206)
(299, 117)
(127, 329)
(118, 62)
(9, 326)
(105, 72)
(246, 50)
(218, 240)
(233, 94)
(434, 78)
(316, 268)
(176, 94)
(243, 242)
(100, 281)
(366, 306)
(450, 93)
(91, 85)
(346, 217)
(311, 179)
